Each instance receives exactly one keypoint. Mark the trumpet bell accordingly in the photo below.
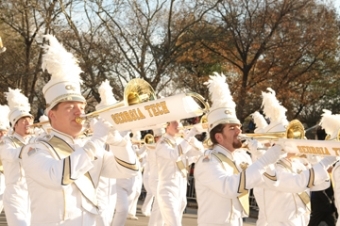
(149, 139)
(138, 91)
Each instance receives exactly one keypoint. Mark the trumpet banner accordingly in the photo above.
(145, 115)
(312, 147)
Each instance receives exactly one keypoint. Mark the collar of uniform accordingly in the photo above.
(23, 140)
(224, 151)
(63, 136)
(171, 138)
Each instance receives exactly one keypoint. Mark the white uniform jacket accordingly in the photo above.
(217, 187)
(62, 178)
(16, 201)
(280, 203)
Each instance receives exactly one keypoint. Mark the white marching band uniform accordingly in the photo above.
(155, 216)
(16, 199)
(174, 155)
(67, 180)
(149, 198)
(286, 201)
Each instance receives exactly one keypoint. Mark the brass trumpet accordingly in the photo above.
(136, 91)
(295, 130)
(148, 139)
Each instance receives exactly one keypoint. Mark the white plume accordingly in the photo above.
(259, 120)
(272, 108)
(330, 122)
(18, 100)
(4, 121)
(62, 65)
(106, 94)
(219, 91)
(43, 118)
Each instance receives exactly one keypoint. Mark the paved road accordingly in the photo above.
(189, 219)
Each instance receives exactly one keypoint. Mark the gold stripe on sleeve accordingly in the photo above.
(127, 165)
(311, 178)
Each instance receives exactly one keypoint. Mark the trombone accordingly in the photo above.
(294, 130)
(148, 139)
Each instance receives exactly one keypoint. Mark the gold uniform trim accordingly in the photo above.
(311, 178)
(304, 196)
(66, 179)
(270, 177)
(127, 165)
(243, 196)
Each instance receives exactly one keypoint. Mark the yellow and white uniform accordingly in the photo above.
(174, 155)
(218, 188)
(286, 202)
(16, 200)
(62, 177)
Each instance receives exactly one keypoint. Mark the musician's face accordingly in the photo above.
(63, 118)
(229, 137)
(22, 126)
(3, 133)
(172, 128)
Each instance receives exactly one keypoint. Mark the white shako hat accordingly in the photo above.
(4, 121)
(18, 105)
(65, 75)
(158, 132)
(106, 95)
(273, 110)
(223, 105)
(330, 123)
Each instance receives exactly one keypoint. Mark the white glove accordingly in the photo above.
(116, 139)
(252, 145)
(272, 155)
(191, 133)
(97, 141)
(328, 161)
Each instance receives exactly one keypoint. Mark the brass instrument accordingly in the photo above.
(149, 139)
(295, 130)
(136, 91)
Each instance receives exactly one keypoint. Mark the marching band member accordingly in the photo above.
(225, 173)
(155, 216)
(331, 124)
(137, 182)
(125, 194)
(106, 190)
(149, 147)
(287, 201)
(62, 169)
(174, 155)
(16, 201)
(4, 127)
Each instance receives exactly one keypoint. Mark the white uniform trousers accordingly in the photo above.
(147, 204)
(155, 216)
(172, 200)
(137, 190)
(124, 198)
(16, 203)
